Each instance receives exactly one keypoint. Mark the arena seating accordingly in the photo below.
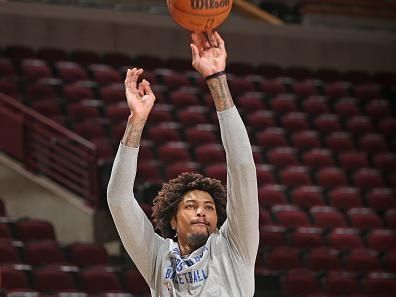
(324, 144)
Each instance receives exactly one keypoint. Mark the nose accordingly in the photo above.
(200, 212)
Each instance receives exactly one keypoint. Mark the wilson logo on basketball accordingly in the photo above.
(209, 4)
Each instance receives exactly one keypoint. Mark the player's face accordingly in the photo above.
(196, 218)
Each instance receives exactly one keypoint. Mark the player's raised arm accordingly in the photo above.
(134, 228)
(209, 58)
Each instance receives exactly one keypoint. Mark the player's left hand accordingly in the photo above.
(208, 53)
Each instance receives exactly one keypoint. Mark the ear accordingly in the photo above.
(173, 223)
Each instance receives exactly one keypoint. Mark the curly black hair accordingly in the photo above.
(171, 193)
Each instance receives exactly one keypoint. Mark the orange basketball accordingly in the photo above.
(199, 15)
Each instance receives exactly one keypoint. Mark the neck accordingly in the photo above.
(191, 243)
(186, 249)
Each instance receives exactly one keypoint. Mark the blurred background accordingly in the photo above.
(314, 81)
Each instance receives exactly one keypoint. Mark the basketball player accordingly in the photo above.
(205, 248)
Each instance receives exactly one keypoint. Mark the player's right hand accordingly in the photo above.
(139, 96)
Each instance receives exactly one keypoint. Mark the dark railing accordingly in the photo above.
(47, 148)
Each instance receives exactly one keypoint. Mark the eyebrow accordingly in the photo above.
(195, 201)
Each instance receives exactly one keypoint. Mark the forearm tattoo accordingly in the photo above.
(133, 133)
(218, 86)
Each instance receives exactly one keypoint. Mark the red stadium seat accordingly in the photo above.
(193, 115)
(290, 216)
(104, 147)
(104, 74)
(337, 89)
(317, 158)
(8, 253)
(389, 260)
(272, 87)
(307, 196)
(164, 132)
(339, 141)
(367, 91)
(284, 103)
(331, 177)
(10, 88)
(7, 69)
(381, 239)
(271, 137)
(52, 54)
(13, 279)
(307, 237)
(5, 231)
(96, 280)
(344, 238)
(300, 73)
(172, 79)
(265, 218)
(387, 126)
(364, 218)
(368, 178)
(48, 107)
(353, 160)
(217, 171)
(92, 128)
(390, 218)
(380, 284)
(53, 279)
(251, 102)
(77, 92)
(304, 88)
(384, 161)
(295, 121)
(315, 105)
(373, 143)
(306, 139)
(327, 123)
(149, 171)
(70, 72)
(378, 109)
(210, 153)
(35, 69)
(328, 75)
(359, 125)
(112, 93)
(295, 176)
(265, 174)
(341, 283)
(283, 156)
(260, 119)
(272, 194)
(35, 229)
(362, 260)
(84, 109)
(327, 217)
(117, 112)
(175, 169)
(162, 113)
(40, 90)
(202, 134)
(381, 198)
(283, 257)
(183, 100)
(347, 107)
(43, 252)
(135, 283)
(272, 236)
(87, 254)
(240, 86)
(300, 282)
(172, 152)
(323, 258)
(345, 197)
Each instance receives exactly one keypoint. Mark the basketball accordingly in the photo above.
(199, 15)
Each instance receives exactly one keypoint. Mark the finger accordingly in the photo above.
(197, 41)
(147, 88)
(194, 53)
(219, 40)
(141, 89)
(212, 39)
(136, 74)
(205, 40)
(129, 83)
